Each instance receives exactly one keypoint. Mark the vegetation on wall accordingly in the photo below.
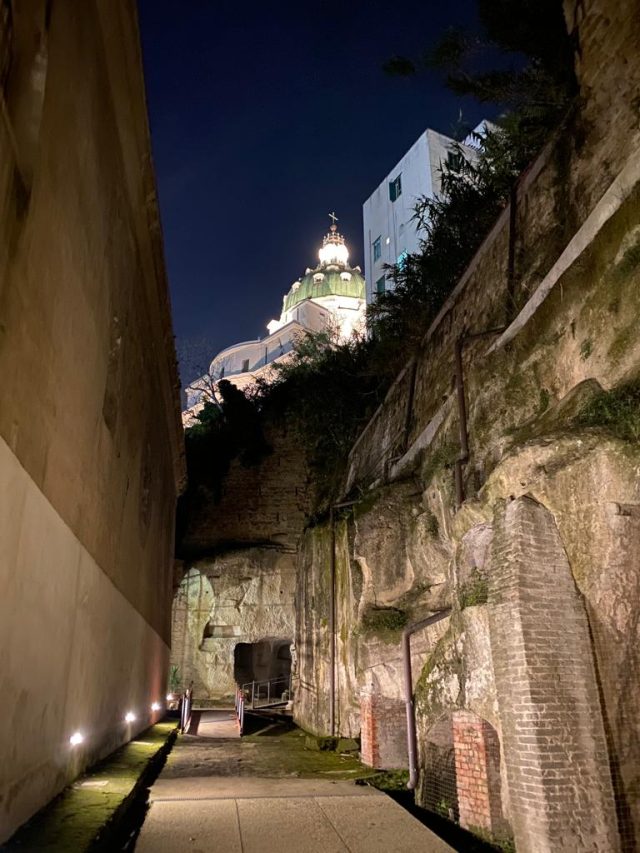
(230, 429)
(617, 410)
(534, 94)
(329, 389)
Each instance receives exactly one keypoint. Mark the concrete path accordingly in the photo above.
(214, 724)
(195, 806)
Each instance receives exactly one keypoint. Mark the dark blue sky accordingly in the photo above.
(264, 118)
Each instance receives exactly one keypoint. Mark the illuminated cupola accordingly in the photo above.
(332, 279)
(334, 251)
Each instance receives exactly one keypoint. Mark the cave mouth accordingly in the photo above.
(262, 661)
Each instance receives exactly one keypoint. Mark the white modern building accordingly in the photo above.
(390, 231)
(329, 296)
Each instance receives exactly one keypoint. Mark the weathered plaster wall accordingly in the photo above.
(91, 449)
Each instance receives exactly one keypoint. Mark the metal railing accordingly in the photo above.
(186, 704)
(239, 705)
(269, 692)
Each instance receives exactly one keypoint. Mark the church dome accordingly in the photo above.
(332, 277)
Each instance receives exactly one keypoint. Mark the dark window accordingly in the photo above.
(377, 248)
(395, 187)
(222, 372)
(381, 285)
(245, 365)
(455, 160)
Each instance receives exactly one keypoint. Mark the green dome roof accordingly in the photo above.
(331, 285)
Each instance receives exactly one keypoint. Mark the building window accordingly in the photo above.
(395, 187)
(455, 160)
(245, 365)
(222, 372)
(377, 249)
(381, 286)
(401, 259)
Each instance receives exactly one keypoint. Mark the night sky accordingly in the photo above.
(265, 117)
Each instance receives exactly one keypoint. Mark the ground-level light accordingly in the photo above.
(76, 739)
(155, 706)
(129, 717)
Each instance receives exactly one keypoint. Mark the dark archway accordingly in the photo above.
(262, 661)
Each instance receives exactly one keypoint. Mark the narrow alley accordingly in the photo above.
(267, 792)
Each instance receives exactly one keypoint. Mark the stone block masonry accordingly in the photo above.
(552, 728)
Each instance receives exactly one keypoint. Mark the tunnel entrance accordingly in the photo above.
(265, 660)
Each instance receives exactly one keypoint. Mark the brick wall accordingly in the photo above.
(552, 728)
(477, 756)
(383, 732)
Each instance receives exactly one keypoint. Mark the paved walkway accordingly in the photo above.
(202, 802)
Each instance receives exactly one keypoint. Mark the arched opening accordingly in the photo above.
(461, 774)
(265, 660)
(439, 780)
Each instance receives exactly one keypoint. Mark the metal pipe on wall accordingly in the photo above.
(412, 744)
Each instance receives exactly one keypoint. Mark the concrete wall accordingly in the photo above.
(393, 221)
(90, 442)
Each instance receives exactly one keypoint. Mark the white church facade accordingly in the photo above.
(329, 296)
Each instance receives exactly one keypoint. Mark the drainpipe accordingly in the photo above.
(332, 616)
(412, 744)
(463, 458)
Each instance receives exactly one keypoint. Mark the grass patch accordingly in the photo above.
(384, 622)
(433, 526)
(586, 348)
(387, 780)
(474, 592)
(543, 402)
(438, 459)
(617, 410)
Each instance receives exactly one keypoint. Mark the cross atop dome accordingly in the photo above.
(334, 251)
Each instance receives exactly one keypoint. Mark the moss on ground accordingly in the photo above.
(79, 815)
(387, 780)
(283, 753)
